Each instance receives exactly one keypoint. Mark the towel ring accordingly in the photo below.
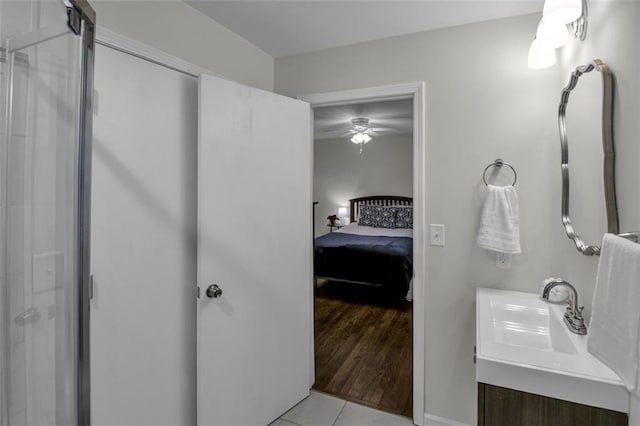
(499, 163)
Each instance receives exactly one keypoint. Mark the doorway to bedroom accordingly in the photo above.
(363, 187)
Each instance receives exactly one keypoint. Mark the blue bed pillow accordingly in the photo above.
(377, 216)
(404, 217)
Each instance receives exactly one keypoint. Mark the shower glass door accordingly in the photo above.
(41, 194)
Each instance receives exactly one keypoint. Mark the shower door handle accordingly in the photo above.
(214, 291)
(27, 317)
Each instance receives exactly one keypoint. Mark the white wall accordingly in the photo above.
(482, 103)
(340, 172)
(176, 28)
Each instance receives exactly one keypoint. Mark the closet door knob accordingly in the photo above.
(214, 291)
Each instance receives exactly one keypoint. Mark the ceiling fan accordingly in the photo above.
(362, 125)
(361, 132)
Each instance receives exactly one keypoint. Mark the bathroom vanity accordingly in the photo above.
(498, 406)
(531, 370)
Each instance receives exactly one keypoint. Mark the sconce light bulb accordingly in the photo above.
(541, 55)
(554, 34)
(561, 11)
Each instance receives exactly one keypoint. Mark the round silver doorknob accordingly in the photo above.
(214, 291)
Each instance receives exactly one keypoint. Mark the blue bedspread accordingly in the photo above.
(386, 261)
(397, 246)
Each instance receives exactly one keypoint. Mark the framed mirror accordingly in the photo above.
(589, 132)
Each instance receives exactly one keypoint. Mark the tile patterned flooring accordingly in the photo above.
(320, 409)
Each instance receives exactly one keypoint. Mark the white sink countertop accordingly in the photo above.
(522, 343)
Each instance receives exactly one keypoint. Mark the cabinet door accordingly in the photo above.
(507, 407)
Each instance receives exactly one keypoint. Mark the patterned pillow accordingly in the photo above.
(377, 216)
(404, 217)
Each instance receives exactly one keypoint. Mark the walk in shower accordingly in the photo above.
(46, 90)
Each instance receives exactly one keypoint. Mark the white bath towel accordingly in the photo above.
(614, 331)
(500, 220)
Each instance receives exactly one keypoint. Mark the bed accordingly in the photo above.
(371, 250)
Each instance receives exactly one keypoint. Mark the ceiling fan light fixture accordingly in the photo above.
(360, 137)
(360, 122)
(360, 131)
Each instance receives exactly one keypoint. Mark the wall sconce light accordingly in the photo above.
(541, 55)
(343, 214)
(553, 34)
(561, 11)
(552, 30)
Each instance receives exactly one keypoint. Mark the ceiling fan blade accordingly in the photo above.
(385, 129)
(349, 133)
(400, 121)
(337, 128)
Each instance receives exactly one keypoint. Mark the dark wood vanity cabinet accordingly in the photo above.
(499, 406)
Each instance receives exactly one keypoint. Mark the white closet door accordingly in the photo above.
(143, 243)
(254, 242)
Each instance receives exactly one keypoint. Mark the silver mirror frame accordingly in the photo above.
(608, 153)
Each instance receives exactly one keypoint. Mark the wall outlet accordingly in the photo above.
(436, 232)
(503, 260)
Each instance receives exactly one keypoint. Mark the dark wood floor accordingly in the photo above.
(364, 346)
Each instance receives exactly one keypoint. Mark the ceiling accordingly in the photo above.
(385, 118)
(283, 28)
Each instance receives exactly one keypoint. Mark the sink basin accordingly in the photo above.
(523, 344)
(518, 322)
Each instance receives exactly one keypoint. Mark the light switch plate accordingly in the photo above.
(436, 232)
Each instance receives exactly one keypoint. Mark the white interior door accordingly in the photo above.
(254, 242)
(143, 247)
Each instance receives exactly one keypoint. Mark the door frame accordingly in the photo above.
(417, 92)
(117, 41)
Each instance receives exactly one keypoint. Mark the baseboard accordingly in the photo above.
(431, 420)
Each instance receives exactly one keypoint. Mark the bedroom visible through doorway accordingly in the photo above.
(363, 253)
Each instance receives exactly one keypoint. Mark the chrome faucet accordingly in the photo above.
(573, 315)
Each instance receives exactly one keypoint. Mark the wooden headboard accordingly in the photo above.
(377, 200)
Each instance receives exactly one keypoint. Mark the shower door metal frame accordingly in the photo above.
(88, 32)
(81, 10)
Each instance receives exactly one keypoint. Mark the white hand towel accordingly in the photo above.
(500, 220)
(615, 317)
(614, 331)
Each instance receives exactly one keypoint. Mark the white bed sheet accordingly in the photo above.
(354, 228)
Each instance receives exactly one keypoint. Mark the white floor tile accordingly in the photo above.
(359, 415)
(316, 410)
